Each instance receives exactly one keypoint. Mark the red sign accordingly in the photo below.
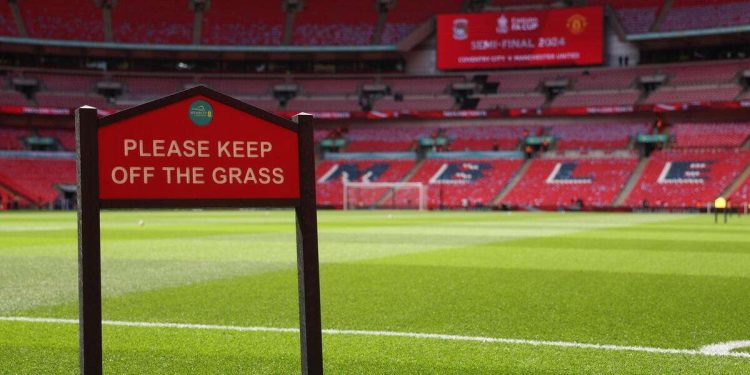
(569, 36)
(198, 147)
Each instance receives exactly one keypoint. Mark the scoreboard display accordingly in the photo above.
(569, 36)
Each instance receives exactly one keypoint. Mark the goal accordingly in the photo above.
(388, 195)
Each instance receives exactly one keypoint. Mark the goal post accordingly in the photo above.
(395, 195)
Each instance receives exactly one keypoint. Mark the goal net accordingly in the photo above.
(385, 195)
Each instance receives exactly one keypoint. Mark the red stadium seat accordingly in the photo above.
(477, 181)
(237, 22)
(597, 185)
(330, 187)
(35, 179)
(707, 173)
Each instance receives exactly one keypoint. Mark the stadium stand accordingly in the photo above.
(70, 19)
(12, 98)
(596, 98)
(302, 104)
(236, 22)
(65, 137)
(10, 138)
(421, 85)
(64, 83)
(703, 74)
(144, 21)
(595, 136)
(7, 23)
(704, 93)
(464, 183)
(415, 103)
(724, 135)
(45, 99)
(604, 79)
(484, 138)
(687, 179)
(553, 183)
(741, 196)
(342, 86)
(407, 15)
(384, 139)
(325, 22)
(518, 82)
(701, 14)
(636, 20)
(240, 86)
(35, 179)
(329, 175)
(499, 101)
(142, 86)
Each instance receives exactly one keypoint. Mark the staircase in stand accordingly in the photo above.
(512, 183)
(637, 172)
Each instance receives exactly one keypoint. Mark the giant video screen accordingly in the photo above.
(569, 36)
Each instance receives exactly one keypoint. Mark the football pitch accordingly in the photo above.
(402, 292)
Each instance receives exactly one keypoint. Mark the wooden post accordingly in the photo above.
(307, 253)
(89, 254)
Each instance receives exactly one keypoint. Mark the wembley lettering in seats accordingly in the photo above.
(563, 173)
(685, 172)
(352, 173)
(459, 173)
(569, 36)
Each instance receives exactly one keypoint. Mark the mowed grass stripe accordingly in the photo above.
(31, 348)
(721, 349)
(184, 247)
(422, 272)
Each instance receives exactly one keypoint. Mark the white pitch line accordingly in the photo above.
(719, 350)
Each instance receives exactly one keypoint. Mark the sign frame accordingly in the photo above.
(87, 125)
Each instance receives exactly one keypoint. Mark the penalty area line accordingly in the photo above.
(714, 350)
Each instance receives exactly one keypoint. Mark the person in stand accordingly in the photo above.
(529, 151)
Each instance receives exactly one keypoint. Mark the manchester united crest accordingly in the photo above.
(576, 24)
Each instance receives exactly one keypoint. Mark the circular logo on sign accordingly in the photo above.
(201, 113)
(577, 24)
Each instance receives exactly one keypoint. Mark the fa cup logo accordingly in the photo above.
(502, 25)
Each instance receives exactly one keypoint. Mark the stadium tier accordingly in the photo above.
(484, 138)
(687, 179)
(560, 183)
(70, 19)
(725, 135)
(309, 104)
(421, 85)
(500, 101)
(7, 24)
(407, 15)
(316, 22)
(325, 22)
(707, 83)
(331, 174)
(384, 139)
(596, 98)
(470, 183)
(145, 21)
(237, 22)
(11, 138)
(741, 196)
(595, 136)
(701, 14)
(34, 180)
(675, 94)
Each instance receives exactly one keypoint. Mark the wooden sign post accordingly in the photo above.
(194, 149)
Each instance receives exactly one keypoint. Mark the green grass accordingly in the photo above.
(666, 281)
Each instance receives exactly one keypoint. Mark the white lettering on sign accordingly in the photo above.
(191, 148)
(131, 175)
